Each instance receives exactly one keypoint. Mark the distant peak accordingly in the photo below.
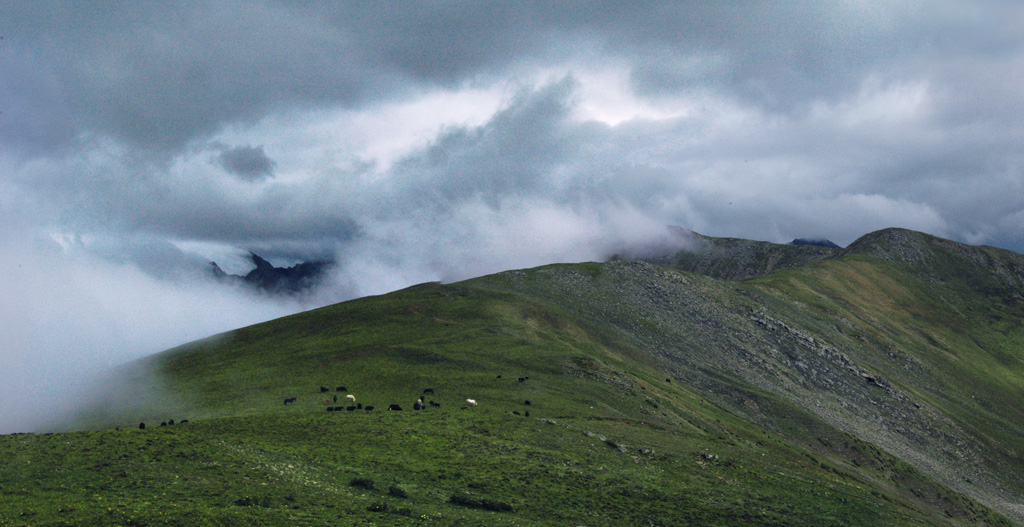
(893, 243)
(260, 263)
(281, 280)
(817, 242)
(216, 270)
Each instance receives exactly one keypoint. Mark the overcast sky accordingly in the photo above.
(416, 141)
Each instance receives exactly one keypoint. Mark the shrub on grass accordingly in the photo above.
(480, 503)
(397, 491)
(365, 483)
(248, 501)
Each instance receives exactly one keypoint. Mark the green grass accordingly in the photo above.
(299, 469)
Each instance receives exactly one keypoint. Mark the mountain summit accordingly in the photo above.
(278, 280)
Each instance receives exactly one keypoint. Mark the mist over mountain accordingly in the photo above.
(876, 384)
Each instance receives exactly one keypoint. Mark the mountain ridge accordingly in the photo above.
(889, 373)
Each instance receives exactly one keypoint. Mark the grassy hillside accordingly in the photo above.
(878, 386)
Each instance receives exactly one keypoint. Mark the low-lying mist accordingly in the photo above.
(70, 315)
(73, 316)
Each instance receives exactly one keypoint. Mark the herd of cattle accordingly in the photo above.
(353, 406)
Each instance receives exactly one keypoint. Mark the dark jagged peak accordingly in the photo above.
(818, 242)
(278, 280)
(735, 258)
(262, 265)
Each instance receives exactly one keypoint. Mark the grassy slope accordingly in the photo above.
(734, 439)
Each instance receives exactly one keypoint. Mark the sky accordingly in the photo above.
(420, 141)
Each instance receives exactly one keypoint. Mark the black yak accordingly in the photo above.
(395, 407)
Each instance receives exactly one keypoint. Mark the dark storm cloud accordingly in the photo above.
(249, 163)
(420, 141)
(515, 153)
(161, 74)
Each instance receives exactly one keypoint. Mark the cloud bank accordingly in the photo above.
(440, 141)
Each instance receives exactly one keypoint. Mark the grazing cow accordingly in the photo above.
(359, 406)
(527, 413)
(498, 377)
(340, 389)
(435, 405)
(428, 390)
(289, 400)
(527, 403)
(522, 379)
(335, 398)
(368, 408)
(516, 412)
(164, 423)
(330, 408)
(350, 408)
(351, 397)
(183, 421)
(417, 406)
(142, 426)
(323, 389)
(170, 421)
(395, 407)
(471, 402)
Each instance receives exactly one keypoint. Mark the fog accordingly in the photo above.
(69, 316)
